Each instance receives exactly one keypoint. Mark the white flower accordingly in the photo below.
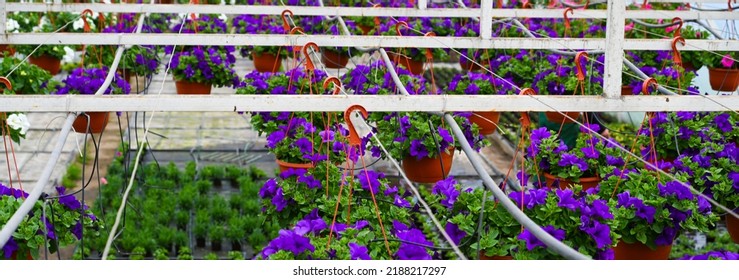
(68, 55)
(78, 24)
(223, 17)
(18, 122)
(11, 25)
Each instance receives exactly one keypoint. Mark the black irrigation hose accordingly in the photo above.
(438, 147)
(650, 25)
(576, 6)
(715, 10)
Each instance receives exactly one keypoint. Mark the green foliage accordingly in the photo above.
(27, 78)
(235, 255)
(161, 254)
(211, 256)
(216, 233)
(221, 72)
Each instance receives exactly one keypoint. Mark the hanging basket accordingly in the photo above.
(47, 62)
(334, 60)
(98, 122)
(732, 225)
(639, 251)
(486, 121)
(556, 117)
(285, 166)
(266, 62)
(722, 79)
(185, 87)
(414, 66)
(428, 170)
(586, 182)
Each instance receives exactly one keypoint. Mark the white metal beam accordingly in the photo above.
(354, 41)
(614, 48)
(357, 11)
(330, 103)
(486, 19)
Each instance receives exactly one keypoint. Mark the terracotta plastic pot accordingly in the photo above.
(627, 90)
(365, 29)
(586, 183)
(639, 251)
(486, 121)
(266, 62)
(285, 166)
(98, 122)
(6, 48)
(428, 170)
(47, 62)
(185, 87)
(495, 258)
(732, 225)
(556, 117)
(125, 74)
(14, 256)
(468, 65)
(414, 66)
(334, 60)
(723, 79)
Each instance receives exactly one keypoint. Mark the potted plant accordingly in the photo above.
(197, 70)
(561, 166)
(49, 57)
(664, 135)
(412, 59)
(236, 232)
(266, 58)
(216, 234)
(483, 84)
(64, 223)
(202, 227)
(337, 57)
(27, 78)
(723, 70)
(650, 211)
(88, 81)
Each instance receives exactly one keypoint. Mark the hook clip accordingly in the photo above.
(83, 15)
(679, 27)
(286, 25)
(567, 19)
(6, 82)
(580, 71)
(429, 53)
(525, 118)
(397, 27)
(335, 81)
(354, 139)
(647, 83)
(676, 53)
(308, 61)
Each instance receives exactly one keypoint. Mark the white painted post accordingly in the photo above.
(614, 48)
(3, 17)
(422, 4)
(486, 19)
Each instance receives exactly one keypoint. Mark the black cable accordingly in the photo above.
(438, 148)
(479, 220)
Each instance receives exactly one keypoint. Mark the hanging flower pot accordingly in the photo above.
(6, 48)
(428, 170)
(47, 62)
(334, 60)
(723, 79)
(414, 66)
(469, 65)
(185, 87)
(639, 251)
(97, 122)
(486, 121)
(284, 166)
(627, 90)
(556, 117)
(732, 225)
(585, 182)
(266, 62)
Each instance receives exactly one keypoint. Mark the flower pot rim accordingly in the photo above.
(580, 180)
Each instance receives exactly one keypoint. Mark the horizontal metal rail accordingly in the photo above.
(164, 39)
(387, 103)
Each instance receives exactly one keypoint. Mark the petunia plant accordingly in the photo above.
(212, 65)
(652, 209)
(14, 125)
(88, 81)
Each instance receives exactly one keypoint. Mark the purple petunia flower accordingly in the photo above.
(358, 252)
(446, 188)
(566, 199)
(532, 242)
(418, 150)
(408, 251)
(370, 180)
(279, 200)
(454, 232)
(274, 138)
(572, 160)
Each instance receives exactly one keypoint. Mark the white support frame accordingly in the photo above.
(338, 103)
(614, 48)
(164, 39)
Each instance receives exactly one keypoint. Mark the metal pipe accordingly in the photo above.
(528, 33)
(714, 32)
(644, 76)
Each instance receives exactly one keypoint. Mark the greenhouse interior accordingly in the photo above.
(369, 130)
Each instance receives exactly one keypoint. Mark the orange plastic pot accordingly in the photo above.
(627, 90)
(334, 60)
(722, 79)
(495, 258)
(586, 183)
(185, 87)
(556, 117)
(285, 166)
(486, 121)
(639, 251)
(732, 225)
(47, 62)
(428, 170)
(6, 48)
(266, 62)
(468, 65)
(365, 28)
(98, 122)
